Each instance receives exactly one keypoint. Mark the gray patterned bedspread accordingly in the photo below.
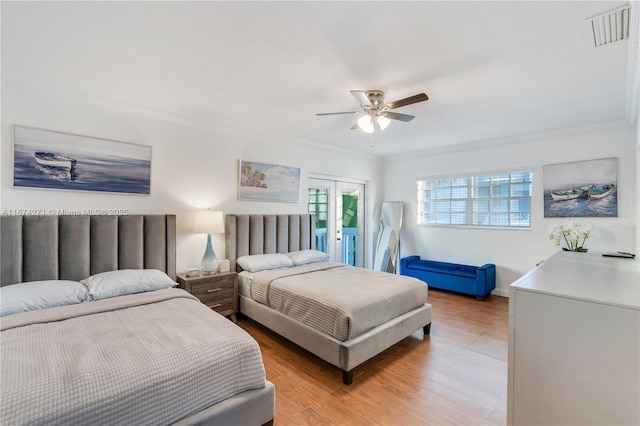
(150, 358)
(337, 299)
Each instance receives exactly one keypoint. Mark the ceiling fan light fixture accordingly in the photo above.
(383, 121)
(366, 123)
(376, 113)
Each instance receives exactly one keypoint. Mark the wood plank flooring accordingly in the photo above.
(455, 376)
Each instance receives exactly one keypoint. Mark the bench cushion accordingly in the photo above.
(445, 268)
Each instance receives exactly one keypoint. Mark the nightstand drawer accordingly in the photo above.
(211, 288)
(215, 296)
(220, 302)
(217, 291)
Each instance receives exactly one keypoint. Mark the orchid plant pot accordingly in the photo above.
(578, 250)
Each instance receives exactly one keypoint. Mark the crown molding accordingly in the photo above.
(513, 140)
(17, 81)
(12, 80)
(22, 82)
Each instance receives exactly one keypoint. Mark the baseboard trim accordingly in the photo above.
(500, 292)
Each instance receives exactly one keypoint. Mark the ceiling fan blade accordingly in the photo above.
(338, 113)
(420, 97)
(356, 126)
(361, 97)
(397, 116)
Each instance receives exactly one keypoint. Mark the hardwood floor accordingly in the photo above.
(455, 376)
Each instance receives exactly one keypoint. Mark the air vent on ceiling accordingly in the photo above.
(608, 27)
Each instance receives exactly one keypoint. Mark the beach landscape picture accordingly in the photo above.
(581, 189)
(56, 160)
(268, 182)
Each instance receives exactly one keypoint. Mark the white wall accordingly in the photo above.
(196, 166)
(193, 166)
(516, 251)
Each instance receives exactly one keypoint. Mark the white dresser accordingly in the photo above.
(574, 342)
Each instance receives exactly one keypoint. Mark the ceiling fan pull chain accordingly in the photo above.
(375, 133)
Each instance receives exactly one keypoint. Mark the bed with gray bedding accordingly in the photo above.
(342, 314)
(336, 299)
(123, 360)
(156, 356)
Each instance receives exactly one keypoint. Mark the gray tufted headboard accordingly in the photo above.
(264, 234)
(75, 247)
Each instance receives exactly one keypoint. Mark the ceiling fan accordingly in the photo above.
(377, 114)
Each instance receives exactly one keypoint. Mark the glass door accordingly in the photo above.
(319, 205)
(350, 222)
(339, 210)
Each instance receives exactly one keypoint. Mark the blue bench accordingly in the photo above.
(472, 280)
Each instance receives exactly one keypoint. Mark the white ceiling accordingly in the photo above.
(491, 69)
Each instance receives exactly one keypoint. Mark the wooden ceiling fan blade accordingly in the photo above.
(397, 116)
(338, 113)
(420, 97)
(361, 97)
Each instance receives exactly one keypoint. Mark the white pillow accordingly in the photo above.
(262, 262)
(126, 281)
(34, 295)
(303, 257)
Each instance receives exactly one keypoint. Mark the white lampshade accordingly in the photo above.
(208, 222)
(366, 124)
(383, 121)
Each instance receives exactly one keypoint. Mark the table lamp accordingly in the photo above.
(209, 222)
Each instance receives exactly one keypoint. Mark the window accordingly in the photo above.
(317, 205)
(493, 200)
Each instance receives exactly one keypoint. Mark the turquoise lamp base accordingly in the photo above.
(209, 262)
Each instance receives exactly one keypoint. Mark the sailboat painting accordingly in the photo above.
(53, 160)
(581, 189)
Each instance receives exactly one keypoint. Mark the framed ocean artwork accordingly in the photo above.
(268, 182)
(56, 160)
(581, 189)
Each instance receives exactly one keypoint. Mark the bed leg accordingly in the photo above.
(426, 329)
(347, 377)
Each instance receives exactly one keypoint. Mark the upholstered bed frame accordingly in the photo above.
(259, 234)
(73, 247)
(48, 247)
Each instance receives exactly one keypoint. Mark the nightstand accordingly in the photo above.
(217, 291)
